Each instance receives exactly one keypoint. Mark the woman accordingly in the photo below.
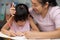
(46, 14)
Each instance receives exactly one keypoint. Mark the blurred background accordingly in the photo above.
(5, 5)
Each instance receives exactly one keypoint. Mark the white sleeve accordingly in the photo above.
(57, 21)
(57, 18)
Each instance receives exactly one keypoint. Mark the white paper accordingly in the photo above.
(14, 38)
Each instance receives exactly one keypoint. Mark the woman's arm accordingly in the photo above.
(33, 25)
(52, 34)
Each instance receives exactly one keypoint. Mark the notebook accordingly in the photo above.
(14, 38)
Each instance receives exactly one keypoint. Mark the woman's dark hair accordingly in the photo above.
(21, 12)
(51, 2)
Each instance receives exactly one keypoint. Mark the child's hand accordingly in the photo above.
(12, 33)
(19, 34)
(12, 10)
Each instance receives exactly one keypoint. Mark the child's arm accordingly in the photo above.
(33, 25)
(6, 27)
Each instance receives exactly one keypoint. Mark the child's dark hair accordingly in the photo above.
(21, 12)
(51, 2)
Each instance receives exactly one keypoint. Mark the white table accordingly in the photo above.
(14, 38)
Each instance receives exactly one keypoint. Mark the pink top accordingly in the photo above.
(51, 20)
(17, 28)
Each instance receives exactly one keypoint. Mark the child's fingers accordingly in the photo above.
(12, 5)
(8, 33)
(19, 34)
(12, 11)
(12, 33)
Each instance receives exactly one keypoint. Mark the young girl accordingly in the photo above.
(20, 22)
